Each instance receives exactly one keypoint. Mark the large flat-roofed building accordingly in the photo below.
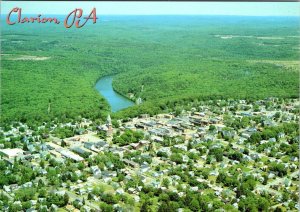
(71, 155)
(11, 153)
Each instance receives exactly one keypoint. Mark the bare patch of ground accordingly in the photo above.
(294, 64)
(29, 57)
(270, 38)
(16, 41)
(232, 36)
(263, 44)
(250, 36)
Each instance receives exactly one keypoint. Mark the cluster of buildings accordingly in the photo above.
(191, 135)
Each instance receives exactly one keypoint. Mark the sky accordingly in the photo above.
(158, 8)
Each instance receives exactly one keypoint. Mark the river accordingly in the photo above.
(117, 102)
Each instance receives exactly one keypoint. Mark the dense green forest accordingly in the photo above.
(49, 72)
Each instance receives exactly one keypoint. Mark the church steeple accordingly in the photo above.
(108, 120)
(139, 101)
(109, 126)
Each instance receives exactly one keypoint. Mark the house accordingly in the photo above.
(52, 146)
(71, 155)
(189, 135)
(144, 142)
(195, 188)
(33, 202)
(177, 128)
(175, 177)
(246, 135)
(132, 191)
(81, 131)
(78, 173)
(96, 171)
(70, 208)
(155, 184)
(208, 137)
(157, 139)
(95, 146)
(228, 133)
(55, 153)
(199, 120)
(130, 127)
(27, 185)
(281, 135)
(166, 150)
(148, 123)
(43, 172)
(131, 163)
(136, 145)
(246, 113)
(145, 116)
(198, 114)
(269, 123)
(181, 146)
(144, 168)
(254, 156)
(120, 191)
(81, 150)
(86, 208)
(214, 120)
(159, 131)
(140, 126)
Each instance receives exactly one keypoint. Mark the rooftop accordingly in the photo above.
(12, 152)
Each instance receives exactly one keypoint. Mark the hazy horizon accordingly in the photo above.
(159, 8)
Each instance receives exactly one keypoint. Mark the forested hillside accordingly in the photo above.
(49, 72)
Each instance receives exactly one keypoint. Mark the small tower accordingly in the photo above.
(109, 126)
(139, 101)
(49, 107)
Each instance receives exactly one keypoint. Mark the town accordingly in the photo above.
(219, 155)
